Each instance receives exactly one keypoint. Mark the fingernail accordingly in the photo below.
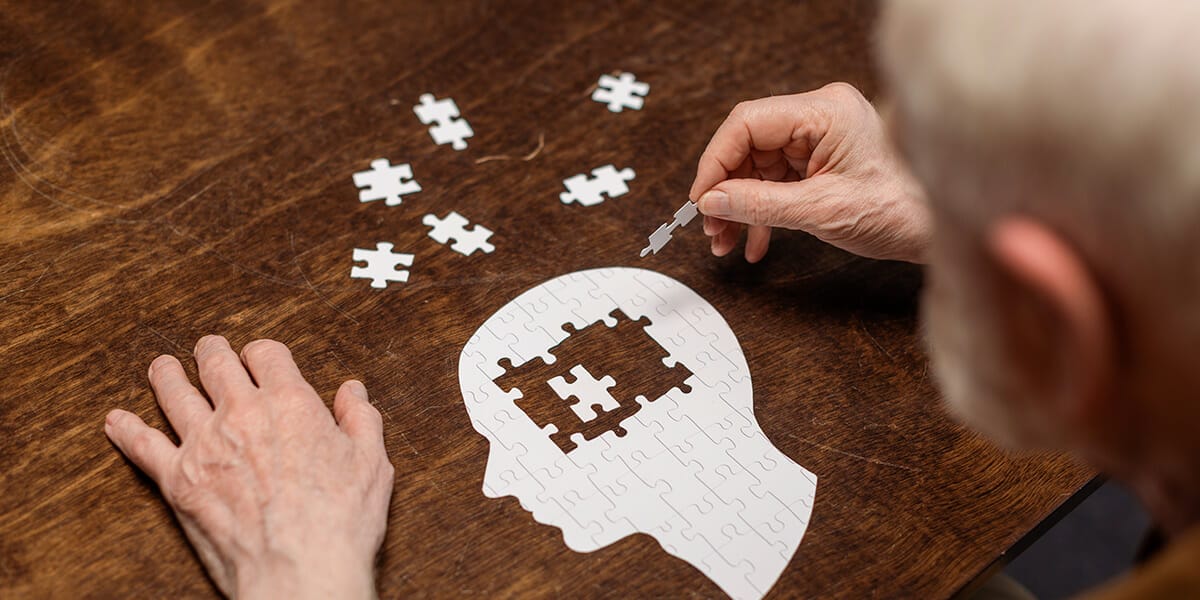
(358, 389)
(715, 203)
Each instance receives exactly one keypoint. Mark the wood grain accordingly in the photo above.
(175, 168)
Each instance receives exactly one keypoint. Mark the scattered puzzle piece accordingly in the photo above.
(454, 226)
(662, 235)
(385, 181)
(448, 128)
(604, 180)
(381, 265)
(621, 92)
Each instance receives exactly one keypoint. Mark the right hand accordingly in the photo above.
(819, 162)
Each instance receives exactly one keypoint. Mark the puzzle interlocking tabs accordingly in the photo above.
(621, 92)
(589, 192)
(617, 401)
(381, 265)
(597, 411)
(447, 127)
(662, 235)
(454, 226)
(385, 181)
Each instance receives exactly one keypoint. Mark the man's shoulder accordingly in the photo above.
(1174, 572)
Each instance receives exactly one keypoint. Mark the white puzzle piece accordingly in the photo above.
(662, 235)
(381, 265)
(447, 127)
(621, 92)
(604, 180)
(686, 463)
(454, 227)
(385, 181)
(589, 391)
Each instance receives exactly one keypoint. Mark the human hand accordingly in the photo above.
(278, 499)
(818, 162)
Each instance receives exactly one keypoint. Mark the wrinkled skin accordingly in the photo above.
(819, 162)
(279, 497)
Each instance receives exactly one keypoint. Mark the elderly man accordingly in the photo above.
(1054, 191)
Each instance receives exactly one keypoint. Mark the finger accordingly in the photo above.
(758, 238)
(179, 399)
(221, 371)
(770, 165)
(355, 415)
(146, 446)
(714, 225)
(771, 203)
(271, 365)
(724, 243)
(764, 125)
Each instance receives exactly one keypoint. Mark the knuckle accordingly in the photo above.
(758, 206)
(219, 361)
(843, 89)
(142, 444)
(264, 348)
(293, 391)
(206, 343)
(232, 435)
(160, 362)
(743, 108)
(371, 411)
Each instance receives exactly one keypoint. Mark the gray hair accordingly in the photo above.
(1083, 114)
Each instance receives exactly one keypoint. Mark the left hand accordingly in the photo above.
(278, 499)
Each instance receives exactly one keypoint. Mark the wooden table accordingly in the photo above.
(180, 168)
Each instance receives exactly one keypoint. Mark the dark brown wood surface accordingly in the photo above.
(177, 168)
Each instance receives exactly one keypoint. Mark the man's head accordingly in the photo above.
(1060, 146)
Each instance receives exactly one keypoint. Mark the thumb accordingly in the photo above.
(355, 415)
(787, 204)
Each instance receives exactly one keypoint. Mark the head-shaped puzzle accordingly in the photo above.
(655, 434)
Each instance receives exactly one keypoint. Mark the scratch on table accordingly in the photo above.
(435, 406)
(31, 285)
(42, 275)
(116, 53)
(173, 343)
(311, 287)
(873, 461)
(409, 444)
(870, 336)
(25, 175)
(349, 371)
(189, 199)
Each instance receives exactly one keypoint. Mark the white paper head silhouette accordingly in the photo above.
(693, 469)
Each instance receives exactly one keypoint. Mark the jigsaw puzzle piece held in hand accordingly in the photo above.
(662, 235)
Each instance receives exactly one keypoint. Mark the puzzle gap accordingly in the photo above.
(567, 393)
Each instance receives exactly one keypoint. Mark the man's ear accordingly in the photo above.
(1057, 318)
